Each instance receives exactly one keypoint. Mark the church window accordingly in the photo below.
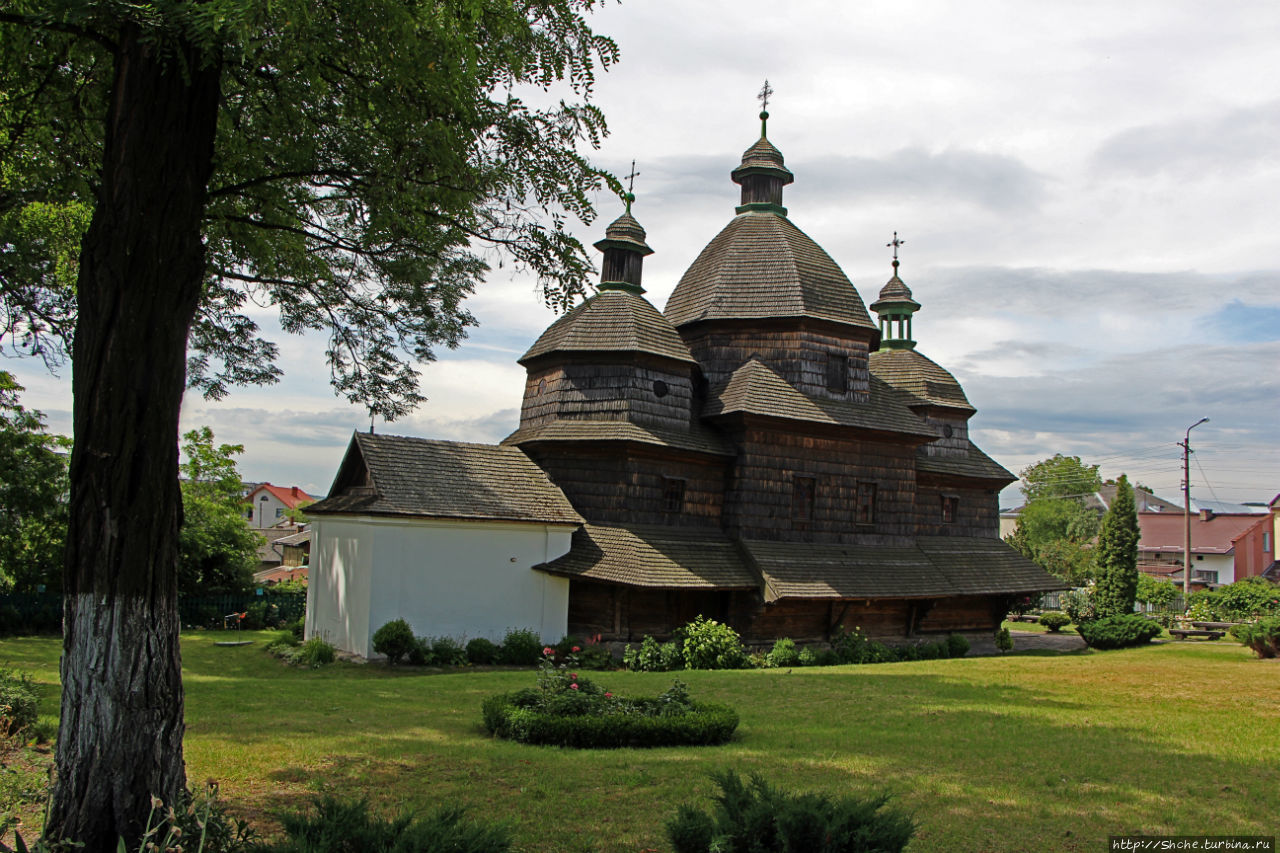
(837, 373)
(802, 491)
(660, 388)
(866, 507)
(542, 386)
(950, 506)
(672, 494)
(948, 431)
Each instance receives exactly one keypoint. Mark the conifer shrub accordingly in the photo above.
(784, 653)
(957, 645)
(757, 818)
(395, 640)
(481, 651)
(1262, 636)
(340, 826)
(1055, 621)
(1119, 632)
(521, 647)
(1004, 641)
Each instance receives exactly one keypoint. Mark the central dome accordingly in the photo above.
(761, 266)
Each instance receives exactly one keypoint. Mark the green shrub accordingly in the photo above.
(19, 702)
(849, 646)
(420, 653)
(784, 653)
(315, 653)
(1262, 636)
(758, 818)
(521, 647)
(652, 656)
(1119, 632)
(346, 827)
(1004, 642)
(807, 657)
(583, 723)
(1055, 621)
(482, 652)
(957, 645)
(395, 640)
(298, 627)
(1079, 605)
(1245, 599)
(828, 657)
(446, 651)
(709, 644)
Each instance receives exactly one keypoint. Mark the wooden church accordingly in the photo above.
(761, 452)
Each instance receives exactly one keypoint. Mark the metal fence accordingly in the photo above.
(41, 612)
(1053, 601)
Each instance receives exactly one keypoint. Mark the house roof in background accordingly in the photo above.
(290, 496)
(1163, 531)
(405, 476)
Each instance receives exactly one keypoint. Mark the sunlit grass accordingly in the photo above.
(1017, 752)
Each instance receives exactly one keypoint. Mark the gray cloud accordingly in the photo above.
(1231, 142)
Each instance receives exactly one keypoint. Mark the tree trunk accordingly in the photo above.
(142, 266)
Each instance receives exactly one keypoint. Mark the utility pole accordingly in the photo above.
(1185, 444)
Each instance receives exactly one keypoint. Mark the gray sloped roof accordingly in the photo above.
(974, 464)
(762, 266)
(757, 389)
(611, 321)
(919, 376)
(696, 438)
(930, 567)
(894, 293)
(399, 475)
(653, 556)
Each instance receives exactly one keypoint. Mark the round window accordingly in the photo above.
(947, 431)
(660, 388)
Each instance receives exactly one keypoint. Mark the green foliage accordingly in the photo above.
(312, 654)
(481, 651)
(653, 656)
(606, 722)
(807, 657)
(339, 826)
(1117, 554)
(1055, 621)
(1240, 601)
(446, 651)
(1055, 528)
(1079, 605)
(395, 640)
(758, 818)
(19, 702)
(957, 645)
(1004, 642)
(1119, 632)
(1059, 477)
(709, 644)
(1263, 636)
(521, 647)
(588, 654)
(1157, 593)
(784, 653)
(217, 552)
(33, 493)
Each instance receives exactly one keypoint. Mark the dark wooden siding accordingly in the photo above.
(609, 392)
(977, 515)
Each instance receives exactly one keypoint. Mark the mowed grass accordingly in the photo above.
(1032, 752)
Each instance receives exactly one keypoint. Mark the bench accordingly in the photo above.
(1026, 617)
(1184, 633)
(1214, 626)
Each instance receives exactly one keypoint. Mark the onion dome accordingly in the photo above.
(624, 249)
(895, 305)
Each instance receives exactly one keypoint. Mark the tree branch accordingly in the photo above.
(57, 26)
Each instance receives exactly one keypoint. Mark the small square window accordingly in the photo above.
(672, 494)
(950, 507)
(866, 509)
(279, 512)
(837, 373)
(802, 491)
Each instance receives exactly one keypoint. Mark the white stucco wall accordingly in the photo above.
(461, 579)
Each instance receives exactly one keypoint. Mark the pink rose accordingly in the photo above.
(608, 695)
(573, 676)
(573, 687)
(576, 649)
(547, 650)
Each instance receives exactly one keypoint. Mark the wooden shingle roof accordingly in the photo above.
(919, 376)
(757, 389)
(762, 266)
(696, 438)
(399, 475)
(652, 556)
(975, 464)
(931, 567)
(611, 321)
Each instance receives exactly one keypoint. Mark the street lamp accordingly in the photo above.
(1186, 512)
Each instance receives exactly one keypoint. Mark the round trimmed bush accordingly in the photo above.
(395, 640)
(1119, 632)
(957, 645)
(1055, 621)
(521, 647)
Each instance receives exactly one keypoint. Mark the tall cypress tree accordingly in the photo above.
(1117, 554)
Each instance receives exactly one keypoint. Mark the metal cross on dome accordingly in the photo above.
(763, 97)
(631, 178)
(895, 243)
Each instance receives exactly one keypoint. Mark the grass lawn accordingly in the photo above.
(1033, 752)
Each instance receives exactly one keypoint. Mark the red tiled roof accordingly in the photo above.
(1163, 531)
(290, 496)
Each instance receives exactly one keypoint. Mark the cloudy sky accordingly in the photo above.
(1089, 193)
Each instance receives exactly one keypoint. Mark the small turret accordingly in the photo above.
(894, 307)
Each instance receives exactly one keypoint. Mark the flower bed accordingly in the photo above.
(568, 710)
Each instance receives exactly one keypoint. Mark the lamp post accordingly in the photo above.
(1185, 444)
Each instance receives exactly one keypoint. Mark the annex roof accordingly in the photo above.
(655, 556)
(919, 376)
(611, 321)
(401, 475)
(762, 266)
(696, 438)
(974, 463)
(930, 567)
(757, 389)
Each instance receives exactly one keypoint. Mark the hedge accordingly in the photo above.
(705, 724)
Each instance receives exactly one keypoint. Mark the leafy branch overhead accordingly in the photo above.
(371, 162)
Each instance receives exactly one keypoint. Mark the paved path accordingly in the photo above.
(1030, 640)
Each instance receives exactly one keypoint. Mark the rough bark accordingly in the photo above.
(142, 264)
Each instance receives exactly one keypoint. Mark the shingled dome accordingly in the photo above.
(894, 294)
(611, 321)
(761, 266)
(926, 380)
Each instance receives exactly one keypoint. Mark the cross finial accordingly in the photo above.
(895, 243)
(763, 97)
(631, 185)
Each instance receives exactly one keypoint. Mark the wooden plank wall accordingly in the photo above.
(619, 391)
(978, 514)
